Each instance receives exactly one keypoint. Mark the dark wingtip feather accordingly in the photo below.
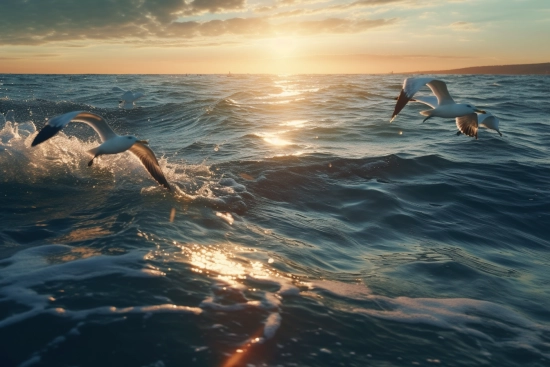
(402, 100)
(468, 125)
(159, 177)
(47, 132)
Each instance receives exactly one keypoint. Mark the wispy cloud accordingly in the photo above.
(147, 22)
(264, 27)
(38, 22)
(463, 26)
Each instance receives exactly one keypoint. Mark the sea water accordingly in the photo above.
(302, 229)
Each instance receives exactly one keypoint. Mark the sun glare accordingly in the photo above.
(281, 47)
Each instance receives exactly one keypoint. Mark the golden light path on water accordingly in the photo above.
(217, 261)
(288, 94)
(221, 263)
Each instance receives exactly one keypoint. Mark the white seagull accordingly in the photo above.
(111, 142)
(467, 124)
(446, 107)
(128, 97)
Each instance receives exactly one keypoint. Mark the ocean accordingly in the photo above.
(302, 229)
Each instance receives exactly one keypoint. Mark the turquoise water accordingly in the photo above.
(303, 228)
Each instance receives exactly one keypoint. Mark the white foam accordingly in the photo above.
(226, 217)
(483, 320)
(234, 277)
(272, 324)
(37, 266)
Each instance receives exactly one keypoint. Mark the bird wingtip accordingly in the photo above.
(47, 132)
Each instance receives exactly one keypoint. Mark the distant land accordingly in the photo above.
(519, 69)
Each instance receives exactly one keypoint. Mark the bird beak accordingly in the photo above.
(143, 142)
(480, 111)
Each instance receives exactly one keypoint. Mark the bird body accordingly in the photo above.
(112, 143)
(448, 111)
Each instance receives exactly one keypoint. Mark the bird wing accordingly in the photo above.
(427, 100)
(467, 124)
(138, 95)
(131, 96)
(148, 159)
(410, 87)
(55, 124)
(439, 88)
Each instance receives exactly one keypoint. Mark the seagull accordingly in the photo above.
(467, 124)
(446, 107)
(111, 142)
(128, 97)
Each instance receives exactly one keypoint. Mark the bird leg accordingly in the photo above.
(429, 117)
(92, 161)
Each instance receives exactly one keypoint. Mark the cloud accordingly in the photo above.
(291, 13)
(336, 25)
(45, 55)
(214, 6)
(38, 22)
(264, 27)
(150, 22)
(463, 26)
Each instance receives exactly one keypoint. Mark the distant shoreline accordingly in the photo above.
(515, 69)
(518, 69)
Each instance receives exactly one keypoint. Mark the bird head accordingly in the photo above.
(490, 122)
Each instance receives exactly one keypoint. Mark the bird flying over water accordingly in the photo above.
(128, 98)
(111, 142)
(445, 107)
(467, 124)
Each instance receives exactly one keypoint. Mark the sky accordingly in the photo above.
(269, 36)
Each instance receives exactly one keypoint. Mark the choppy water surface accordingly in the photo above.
(303, 229)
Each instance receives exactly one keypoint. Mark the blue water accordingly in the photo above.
(303, 229)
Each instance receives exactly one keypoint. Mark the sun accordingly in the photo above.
(281, 46)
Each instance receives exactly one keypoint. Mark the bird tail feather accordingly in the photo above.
(93, 152)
